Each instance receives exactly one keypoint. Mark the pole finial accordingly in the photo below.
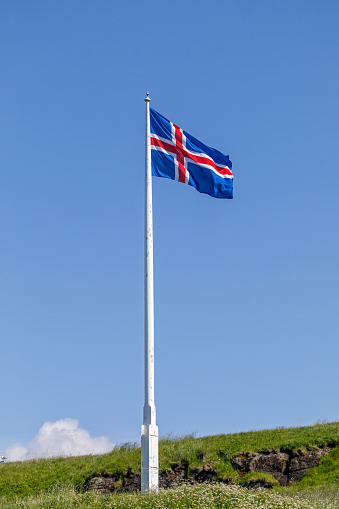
(147, 98)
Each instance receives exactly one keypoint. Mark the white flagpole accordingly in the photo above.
(149, 429)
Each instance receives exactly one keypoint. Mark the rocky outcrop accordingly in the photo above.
(275, 464)
(104, 483)
(109, 483)
(174, 475)
(299, 465)
(179, 472)
(283, 466)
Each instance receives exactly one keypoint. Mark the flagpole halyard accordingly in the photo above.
(149, 429)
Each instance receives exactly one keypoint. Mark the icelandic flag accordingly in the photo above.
(178, 156)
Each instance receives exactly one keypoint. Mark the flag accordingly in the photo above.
(179, 156)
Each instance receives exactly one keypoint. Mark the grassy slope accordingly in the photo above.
(32, 477)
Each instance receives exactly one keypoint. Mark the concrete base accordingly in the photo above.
(149, 458)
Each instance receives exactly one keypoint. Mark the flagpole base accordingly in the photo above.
(149, 458)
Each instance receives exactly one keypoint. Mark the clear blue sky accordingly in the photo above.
(246, 290)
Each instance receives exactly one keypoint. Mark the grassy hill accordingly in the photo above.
(30, 478)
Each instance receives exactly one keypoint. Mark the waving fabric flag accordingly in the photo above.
(179, 156)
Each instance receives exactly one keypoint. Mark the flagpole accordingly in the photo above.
(149, 429)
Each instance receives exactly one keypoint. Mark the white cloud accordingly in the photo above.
(16, 452)
(60, 438)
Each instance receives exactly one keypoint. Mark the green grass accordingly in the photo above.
(35, 476)
(31, 478)
(222, 447)
(203, 496)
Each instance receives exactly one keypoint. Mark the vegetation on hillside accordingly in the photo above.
(203, 496)
(36, 478)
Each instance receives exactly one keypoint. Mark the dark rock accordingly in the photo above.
(305, 461)
(171, 477)
(167, 479)
(274, 464)
(283, 466)
(104, 484)
(254, 484)
(226, 480)
(131, 483)
(207, 473)
(243, 461)
(195, 470)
